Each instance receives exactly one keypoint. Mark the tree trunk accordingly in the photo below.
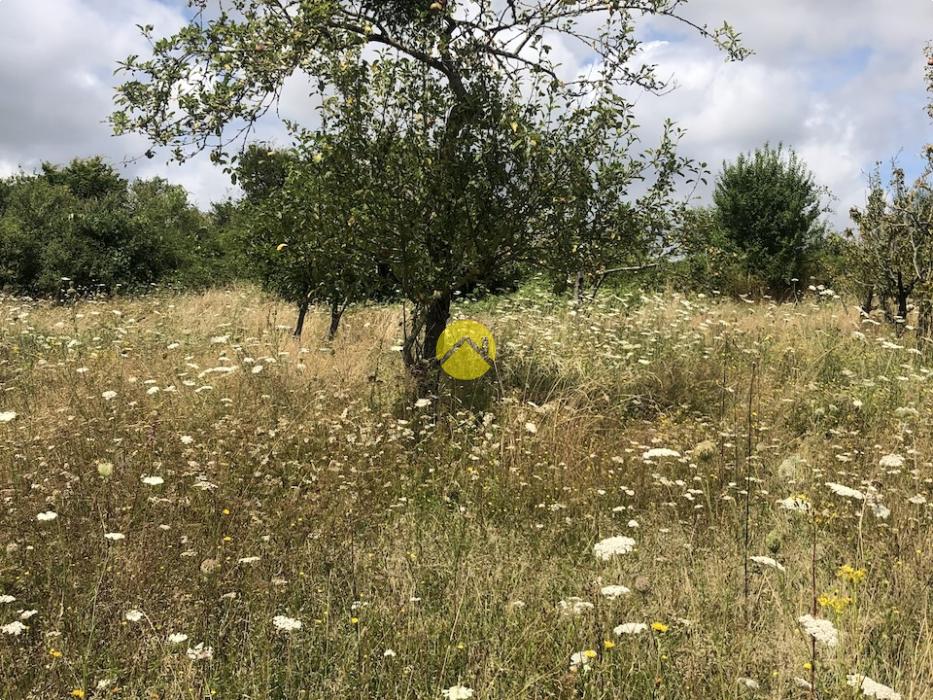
(436, 316)
(867, 304)
(302, 312)
(578, 288)
(925, 319)
(336, 313)
(420, 357)
(901, 296)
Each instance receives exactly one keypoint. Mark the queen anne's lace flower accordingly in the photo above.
(286, 624)
(574, 606)
(768, 561)
(821, 630)
(845, 491)
(613, 592)
(630, 628)
(892, 461)
(873, 689)
(611, 546)
(656, 452)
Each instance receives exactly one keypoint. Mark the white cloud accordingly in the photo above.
(839, 80)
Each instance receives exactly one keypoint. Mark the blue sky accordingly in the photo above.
(841, 81)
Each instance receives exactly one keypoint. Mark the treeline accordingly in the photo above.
(83, 228)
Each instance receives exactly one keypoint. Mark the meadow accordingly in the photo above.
(656, 496)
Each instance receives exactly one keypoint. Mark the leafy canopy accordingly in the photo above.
(769, 206)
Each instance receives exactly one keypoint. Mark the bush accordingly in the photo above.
(84, 227)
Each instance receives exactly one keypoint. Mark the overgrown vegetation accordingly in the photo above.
(195, 504)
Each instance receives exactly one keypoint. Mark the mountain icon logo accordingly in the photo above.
(466, 350)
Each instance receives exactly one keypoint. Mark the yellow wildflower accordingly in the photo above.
(659, 627)
(848, 573)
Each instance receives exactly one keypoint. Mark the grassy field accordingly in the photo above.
(196, 505)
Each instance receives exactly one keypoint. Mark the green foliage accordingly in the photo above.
(893, 255)
(466, 156)
(83, 227)
(709, 261)
(769, 206)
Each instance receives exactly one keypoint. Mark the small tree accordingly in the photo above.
(893, 254)
(769, 206)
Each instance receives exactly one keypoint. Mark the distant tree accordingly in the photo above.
(893, 254)
(90, 178)
(769, 206)
(85, 228)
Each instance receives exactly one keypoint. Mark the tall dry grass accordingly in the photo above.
(436, 548)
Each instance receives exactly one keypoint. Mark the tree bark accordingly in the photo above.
(902, 295)
(925, 319)
(578, 288)
(420, 357)
(302, 312)
(336, 313)
(436, 316)
(867, 303)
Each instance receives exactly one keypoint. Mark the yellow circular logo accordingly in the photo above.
(466, 350)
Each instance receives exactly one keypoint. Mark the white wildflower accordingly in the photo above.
(177, 638)
(630, 628)
(872, 689)
(458, 692)
(200, 653)
(286, 624)
(115, 536)
(153, 480)
(917, 500)
(581, 659)
(613, 592)
(768, 561)
(821, 630)
(612, 546)
(892, 461)
(845, 491)
(134, 616)
(14, 629)
(7, 416)
(109, 395)
(794, 503)
(574, 606)
(46, 516)
(656, 452)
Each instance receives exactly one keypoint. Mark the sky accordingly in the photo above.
(840, 81)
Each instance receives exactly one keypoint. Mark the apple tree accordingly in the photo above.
(480, 105)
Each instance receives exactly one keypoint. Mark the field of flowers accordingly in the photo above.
(655, 497)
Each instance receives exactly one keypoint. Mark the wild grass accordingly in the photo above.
(428, 549)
